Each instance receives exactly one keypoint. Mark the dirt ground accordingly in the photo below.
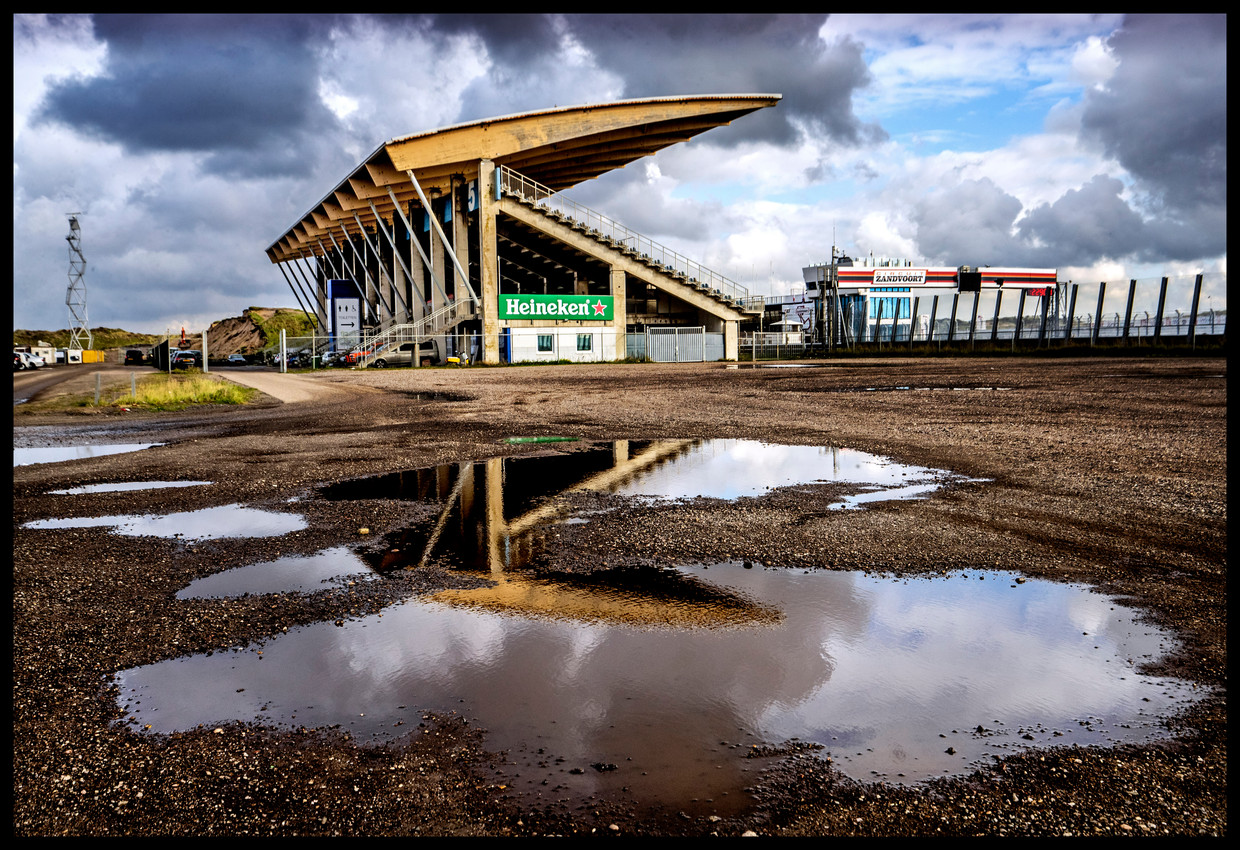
(1109, 471)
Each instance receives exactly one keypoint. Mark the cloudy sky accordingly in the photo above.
(1093, 144)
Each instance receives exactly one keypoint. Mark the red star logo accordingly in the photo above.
(600, 308)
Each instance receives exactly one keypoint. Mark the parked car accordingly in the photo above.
(187, 359)
(134, 356)
(404, 354)
(236, 360)
(19, 362)
(360, 353)
(27, 360)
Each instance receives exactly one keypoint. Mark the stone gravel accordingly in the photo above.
(1110, 471)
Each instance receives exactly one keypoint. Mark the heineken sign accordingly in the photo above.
(564, 308)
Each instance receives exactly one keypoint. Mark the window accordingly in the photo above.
(585, 342)
(545, 343)
(889, 307)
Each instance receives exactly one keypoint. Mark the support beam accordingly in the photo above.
(426, 261)
(300, 304)
(443, 238)
(319, 295)
(396, 253)
(392, 284)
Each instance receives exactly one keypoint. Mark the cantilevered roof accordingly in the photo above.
(558, 148)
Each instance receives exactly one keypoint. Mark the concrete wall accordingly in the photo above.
(563, 344)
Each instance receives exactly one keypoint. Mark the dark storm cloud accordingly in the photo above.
(657, 55)
(240, 89)
(969, 223)
(1086, 224)
(1163, 115)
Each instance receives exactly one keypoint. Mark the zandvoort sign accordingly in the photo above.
(899, 277)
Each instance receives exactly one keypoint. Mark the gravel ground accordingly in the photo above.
(1109, 471)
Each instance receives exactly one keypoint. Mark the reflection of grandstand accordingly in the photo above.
(626, 469)
(473, 527)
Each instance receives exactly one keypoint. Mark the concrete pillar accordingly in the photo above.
(619, 311)
(488, 261)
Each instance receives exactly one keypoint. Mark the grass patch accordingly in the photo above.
(179, 391)
(159, 392)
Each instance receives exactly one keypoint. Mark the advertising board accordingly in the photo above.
(563, 308)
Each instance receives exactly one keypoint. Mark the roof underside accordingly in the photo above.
(558, 148)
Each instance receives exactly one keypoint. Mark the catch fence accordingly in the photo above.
(1169, 312)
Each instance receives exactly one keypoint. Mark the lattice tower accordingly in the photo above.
(79, 327)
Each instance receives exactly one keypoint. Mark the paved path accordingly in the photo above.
(288, 388)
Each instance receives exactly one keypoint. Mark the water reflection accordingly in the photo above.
(124, 486)
(669, 674)
(330, 568)
(876, 670)
(494, 513)
(57, 454)
(204, 524)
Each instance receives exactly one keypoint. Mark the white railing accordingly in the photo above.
(623, 239)
(376, 343)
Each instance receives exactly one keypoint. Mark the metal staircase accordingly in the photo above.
(438, 322)
(617, 237)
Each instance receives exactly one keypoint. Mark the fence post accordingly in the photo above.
(98, 386)
(1162, 303)
(1020, 315)
(1067, 333)
(994, 322)
(1093, 328)
(977, 298)
(1192, 320)
(283, 353)
(912, 322)
(206, 361)
(1046, 303)
(1132, 294)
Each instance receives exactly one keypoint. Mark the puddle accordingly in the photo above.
(57, 454)
(902, 680)
(124, 486)
(331, 568)
(494, 513)
(654, 684)
(204, 524)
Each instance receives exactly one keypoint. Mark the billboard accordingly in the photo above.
(560, 308)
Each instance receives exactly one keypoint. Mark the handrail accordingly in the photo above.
(376, 343)
(621, 238)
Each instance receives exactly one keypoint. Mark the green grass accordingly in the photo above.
(160, 392)
(179, 391)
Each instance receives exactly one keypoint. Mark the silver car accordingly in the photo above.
(403, 354)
